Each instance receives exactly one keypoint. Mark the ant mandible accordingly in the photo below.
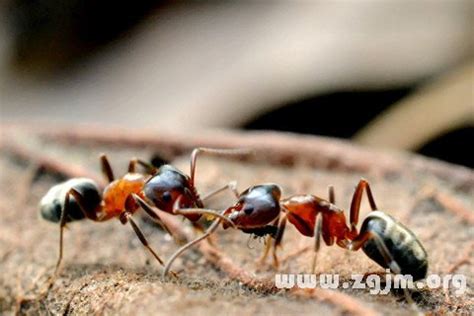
(167, 189)
(260, 210)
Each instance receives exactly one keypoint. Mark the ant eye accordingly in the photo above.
(166, 196)
(248, 209)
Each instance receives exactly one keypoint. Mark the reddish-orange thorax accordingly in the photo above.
(334, 226)
(117, 192)
(301, 213)
(302, 210)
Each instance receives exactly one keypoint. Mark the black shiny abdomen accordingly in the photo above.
(402, 244)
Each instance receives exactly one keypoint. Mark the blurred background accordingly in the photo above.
(394, 74)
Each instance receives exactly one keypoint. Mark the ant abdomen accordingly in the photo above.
(402, 244)
(52, 204)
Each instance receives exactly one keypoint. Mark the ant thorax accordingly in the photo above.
(118, 191)
(301, 212)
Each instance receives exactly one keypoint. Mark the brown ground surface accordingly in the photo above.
(106, 271)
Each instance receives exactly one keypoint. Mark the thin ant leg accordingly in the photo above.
(194, 211)
(362, 238)
(394, 266)
(208, 232)
(232, 186)
(318, 228)
(154, 216)
(317, 236)
(268, 244)
(149, 210)
(132, 166)
(382, 248)
(388, 258)
(106, 168)
(278, 239)
(357, 199)
(331, 194)
(214, 151)
(140, 236)
(62, 223)
(191, 211)
(90, 214)
(198, 211)
(127, 217)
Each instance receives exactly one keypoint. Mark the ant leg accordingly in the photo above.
(202, 211)
(62, 223)
(278, 239)
(132, 166)
(148, 166)
(331, 194)
(154, 216)
(268, 243)
(317, 238)
(382, 248)
(232, 186)
(208, 232)
(198, 211)
(388, 258)
(264, 255)
(360, 240)
(106, 168)
(357, 199)
(318, 228)
(214, 151)
(150, 212)
(127, 217)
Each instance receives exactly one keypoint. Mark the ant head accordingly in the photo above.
(169, 188)
(52, 204)
(257, 206)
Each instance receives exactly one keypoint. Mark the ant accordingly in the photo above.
(260, 210)
(167, 189)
